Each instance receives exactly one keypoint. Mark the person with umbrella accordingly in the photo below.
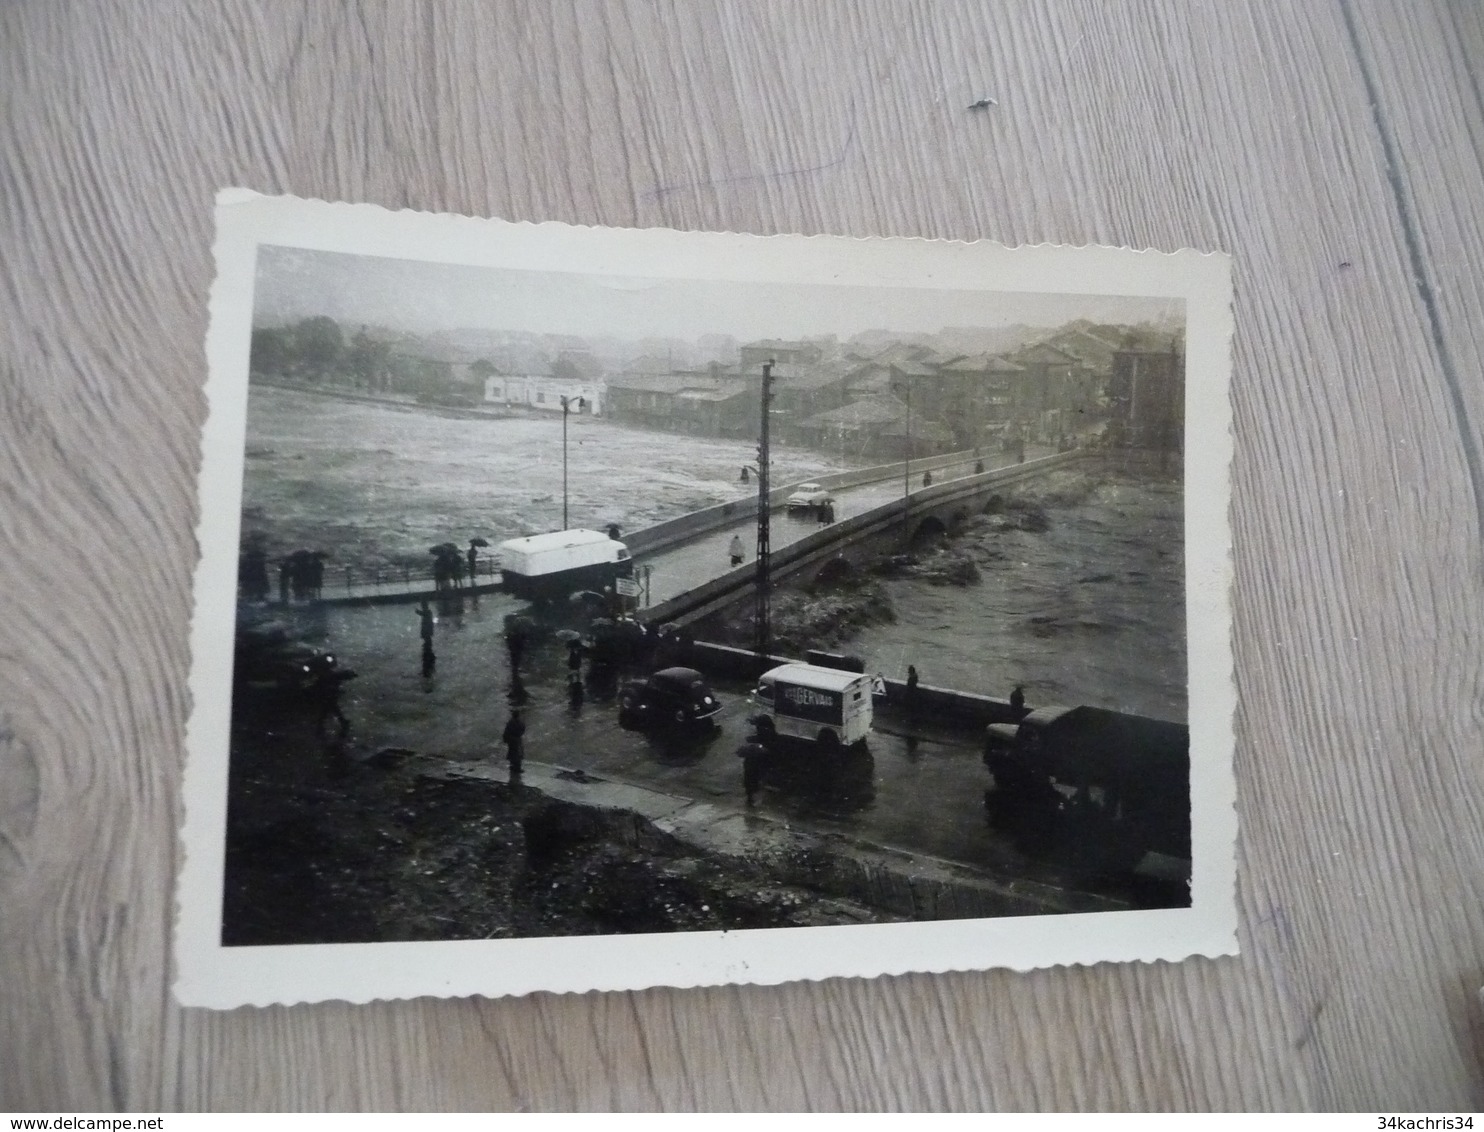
(756, 753)
(324, 696)
(252, 572)
(314, 573)
(473, 558)
(446, 564)
(516, 629)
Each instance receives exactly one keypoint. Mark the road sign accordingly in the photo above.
(628, 587)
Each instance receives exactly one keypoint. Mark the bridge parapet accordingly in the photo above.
(711, 596)
(666, 534)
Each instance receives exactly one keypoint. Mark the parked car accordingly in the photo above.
(268, 655)
(809, 497)
(672, 696)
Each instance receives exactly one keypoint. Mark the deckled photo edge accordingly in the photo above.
(211, 974)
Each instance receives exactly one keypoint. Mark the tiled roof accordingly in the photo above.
(868, 411)
(660, 382)
(981, 363)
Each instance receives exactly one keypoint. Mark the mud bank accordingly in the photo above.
(400, 847)
(392, 853)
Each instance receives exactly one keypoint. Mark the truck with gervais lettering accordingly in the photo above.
(820, 705)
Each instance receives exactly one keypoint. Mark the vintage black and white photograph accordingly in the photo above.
(555, 595)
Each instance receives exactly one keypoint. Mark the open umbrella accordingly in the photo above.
(479, 542)
(568, 635)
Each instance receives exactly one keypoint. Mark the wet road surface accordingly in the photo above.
(921, 793)
(681, 568)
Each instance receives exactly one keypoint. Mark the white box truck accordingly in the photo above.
(552, 566)
(820, 705)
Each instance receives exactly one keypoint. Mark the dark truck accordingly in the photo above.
(1093, 787)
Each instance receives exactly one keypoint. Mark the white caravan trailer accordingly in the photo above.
(822, 705)
(548, 567)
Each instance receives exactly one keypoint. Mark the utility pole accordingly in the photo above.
(906, 387)
(567, 403)
(761, 626)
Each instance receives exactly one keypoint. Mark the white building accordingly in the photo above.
(540, 391)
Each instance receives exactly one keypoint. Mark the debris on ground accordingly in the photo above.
(382, 855)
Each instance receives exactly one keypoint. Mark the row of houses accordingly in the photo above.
(906, 398)
(910, 399)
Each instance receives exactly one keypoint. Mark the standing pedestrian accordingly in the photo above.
(911, 693)
(927, 479)
(1017, 700)
(754, 758)
(517, 694)
(514, 737)
(515, 640)
(425, 630)
(314, 574)
(735, 550)
(252, 574)
(472, 556)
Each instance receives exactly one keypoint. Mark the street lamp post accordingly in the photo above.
(567, 403)
(906, 389)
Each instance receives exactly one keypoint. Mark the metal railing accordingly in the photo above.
(352, 581)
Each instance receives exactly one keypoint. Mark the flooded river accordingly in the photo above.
(1088, 611)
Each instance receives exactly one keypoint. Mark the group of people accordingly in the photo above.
(451, 565)
(301, 575)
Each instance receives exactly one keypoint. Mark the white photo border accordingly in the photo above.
(212, 975)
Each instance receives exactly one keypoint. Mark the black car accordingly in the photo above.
(268, 655)
(674, 696)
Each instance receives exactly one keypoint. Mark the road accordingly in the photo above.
(918, 793)
(681, 568)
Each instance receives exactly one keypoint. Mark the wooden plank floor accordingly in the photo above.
(1333, 147)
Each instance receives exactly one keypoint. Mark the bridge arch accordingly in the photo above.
(930, 529)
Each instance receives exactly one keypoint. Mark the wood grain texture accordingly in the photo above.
(1334, 148)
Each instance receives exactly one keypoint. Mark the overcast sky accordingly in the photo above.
(420, 296)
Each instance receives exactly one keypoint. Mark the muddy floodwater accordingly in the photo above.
(380, 483)
(1090, 610)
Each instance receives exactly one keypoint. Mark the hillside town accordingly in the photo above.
(874, 397)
